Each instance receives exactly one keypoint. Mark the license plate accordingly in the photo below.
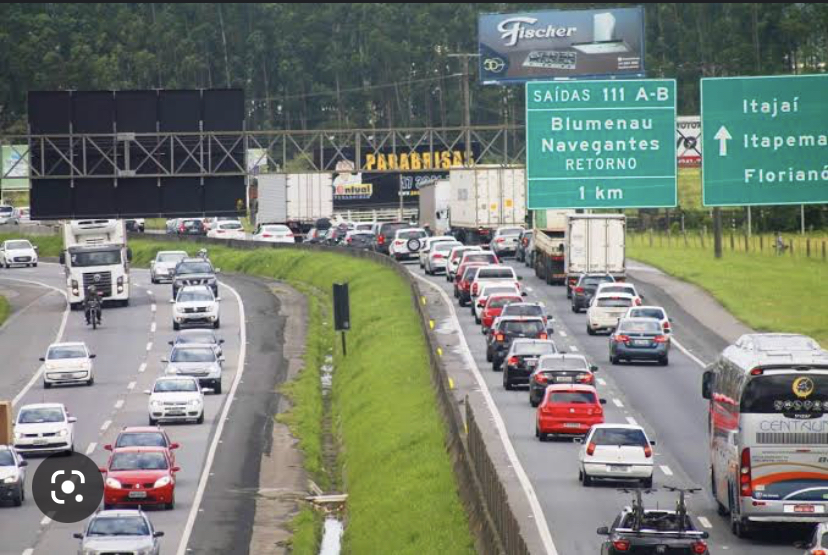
(641, 343)
(175, 414)
(565, 379)
(531, 362)
(137, 495)
(617, 468)
(572, 425)
(40, 442)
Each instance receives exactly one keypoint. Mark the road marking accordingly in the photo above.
(618, 403)
(688, 354)
(29, 551)
(58, 336)
(46, 520)
(106, 425)
(131, 386)
(150, 293)
(563, 333)
(632, 421)
(119, 405)
(529, 290)
(153, 327)
(704, 522)
(601, 382)
(149, 346)
(500, 426)
(574, 349)
(666, 470)
(91, 448)
(154, 308)
(142, 368)
(211, 453)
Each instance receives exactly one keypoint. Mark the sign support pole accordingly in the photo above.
(344, 345)
(717, 232)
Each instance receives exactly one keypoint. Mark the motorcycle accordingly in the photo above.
(94, 315)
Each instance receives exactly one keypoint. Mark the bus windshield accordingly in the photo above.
(797, 392)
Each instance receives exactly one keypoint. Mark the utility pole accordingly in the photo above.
(464, 59)
(717, 232)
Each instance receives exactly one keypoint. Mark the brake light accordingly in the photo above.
(621, 545)
(666, 326)
(586, 378)
(513, 361)
(349, 240)
(745, 478)
(700, 548)
(381, 240)
(638, 302)
(438, 257)
(500, 337)
(541, 379)
(267, 236)
(817, 552)
(661, 339)
(757, 372)
(500, 240)
(182, 228)
(543, 336)
(475, 289)
(579, 289)
(219, 231)
(622, 339)
(597, 411)
(481, 303)
(591, 449)
(648, 451)
(289, 235)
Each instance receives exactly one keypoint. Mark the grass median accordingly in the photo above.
(5, 309)
(768, 293)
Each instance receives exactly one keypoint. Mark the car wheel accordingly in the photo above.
(488, 356)
(477, 320)
(463, 303)
(90, 382)
(542, 436)
(154, 281)
(171, 505)
(153, 421)
(664, 361)
(647, 483)
(217, 387)
(18, 499)
(533, 402)
(590, 331)
(200, 418)
(575, 310)
(217, 325)
(587, 480)
(507, 385)
(176, 326)
(47, 385)
(614, 360)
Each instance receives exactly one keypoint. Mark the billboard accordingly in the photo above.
(688, 141)
(359, 191)
(14, 167)
(555, 44)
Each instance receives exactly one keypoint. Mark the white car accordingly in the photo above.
(505, 240)
(18, 252)
(176, 399)
(12, 475)
(616, 452)
(818, 545)
(505, 288)
(437, 258)
(44, 428)
(67, 363)
(620, 287)
(196, 305)
(7, 215)
(428, 243)
(367, 227)
(606, 311)
(274, 233)
(163, 267)
(407, 243)
(231, 229)
(24, 214)
(654, 312)
(455, 257)
(494, 275)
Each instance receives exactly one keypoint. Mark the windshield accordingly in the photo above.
(6, 210)
(489, 291)
(168, 386)
(96, 258)
(496, 273)
(143, 439)
(596, 281)
(469, 274)
(18, 245)
(193, 355)
(528, 310)
(138, 461)
(203, 337)
(655, 313)
(40, 416)
(195, 296)
(530, 349)
(573, 397)
(640, 327)
(411, 235)
(62, 353)
(524, 328)
(118, 526)
(500, 302)
(170, 257)
(618, 289)
(622, 437)
(192, 224)
(232, 225)
(194, 268)
(485, 258)
(443, 247)
(614, 303)
(6, 458)
(786, 393)
(511, 231)
(555, 363)
(390, 229)
(280, 229)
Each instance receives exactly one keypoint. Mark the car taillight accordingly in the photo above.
(266, 236)
(481, 302)
(541, 379)
(661, 339)
(700, 548)
(621, 545)
(181, 229)
(648, 451)
(543, 336)
(579, 289)
(500, 240)
(622, 339)
(586, 378)
(666, 326)
(513, 361)
(591, 449)
(597, 411)
(438, 257)
(474, 289)
(349, 240)
(638, 302)
(289, 235)
(381, 240)
(745, 478)
(816, 552)
(219, 231)
(500, 337)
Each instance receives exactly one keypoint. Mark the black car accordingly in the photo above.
(559, 369)
(386, 234)
(585, 289)
(134, 226)
(191, 226)
(500, 339)
(194, 271)
(359, 240)
(522, 359)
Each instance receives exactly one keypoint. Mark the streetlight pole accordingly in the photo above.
(464, 59)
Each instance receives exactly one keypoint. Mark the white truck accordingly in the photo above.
(595, 244)
(294, 199)
(435, 198)
(485, 198)
(550, 245)
(95, 253)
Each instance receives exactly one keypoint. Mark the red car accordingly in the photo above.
(494, 306)
(144, 436)
(140, 476)
(463, 281)
(569, 410)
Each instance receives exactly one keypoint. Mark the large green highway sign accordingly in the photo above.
(601, 144)
(765, 140)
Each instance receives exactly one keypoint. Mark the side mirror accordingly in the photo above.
(36, 248)
(171, 343)
(603, 401)
(62, 258)
(222, 359)
(652, 442)
(218, 299)
(176, 469)
(24, 463)
(42, 359)
(174, 446)
(705, 535)
(107, 447)
(520, 278)
(165, 360)
(593, 368)
(707, 385)
(93, 356)
(158, 535)
(221, 341)
(147, 392)
(603, 531)
(172, 301)
(71, 419)
(102, 470)
(77, 536)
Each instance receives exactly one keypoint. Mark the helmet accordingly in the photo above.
(92, 289)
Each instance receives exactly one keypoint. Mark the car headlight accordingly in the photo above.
(113, 483)
(156, 404)
(194, 402)
(163, 482)
(18, 435)
(171, 370)
(63, 433)
(11, 479)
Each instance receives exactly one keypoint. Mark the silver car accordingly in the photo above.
(198, 361)
(12, 476)
(199, 337)
(123, 531)
(163, 267)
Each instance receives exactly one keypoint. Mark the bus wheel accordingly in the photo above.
(738, 525)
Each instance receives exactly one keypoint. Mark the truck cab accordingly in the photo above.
(96, 254)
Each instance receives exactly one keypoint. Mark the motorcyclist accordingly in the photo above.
(92, 300)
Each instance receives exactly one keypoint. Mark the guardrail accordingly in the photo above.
(492, 516)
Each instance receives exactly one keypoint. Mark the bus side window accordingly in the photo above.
(707, 385)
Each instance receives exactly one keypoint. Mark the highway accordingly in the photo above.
(129, 348)
(666, 401)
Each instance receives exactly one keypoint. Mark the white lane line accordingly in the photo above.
(704, 522)
(529, 491)
(46, 520)
(150, 293)
(29, 551)
(688, 354)
(58, 336)
(119, 405)
(91, 448)
(601, 382)
(106, 425)
(211, 453)
(666, 470)
(563, 333)
(142, 368)
(631, 421)
(149, 346)
(131, 386)
(574, 349)
(154, 308)
(618, 403)
(153, 327)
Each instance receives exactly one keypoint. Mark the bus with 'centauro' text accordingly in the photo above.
(768, 429)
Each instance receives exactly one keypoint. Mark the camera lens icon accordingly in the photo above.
(68, 490)
(68, 486)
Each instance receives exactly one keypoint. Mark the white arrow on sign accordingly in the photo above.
(722, 136)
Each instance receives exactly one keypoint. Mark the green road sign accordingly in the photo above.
(765, 140)
(601, 144)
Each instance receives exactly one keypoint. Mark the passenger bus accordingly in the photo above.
(768, 431)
